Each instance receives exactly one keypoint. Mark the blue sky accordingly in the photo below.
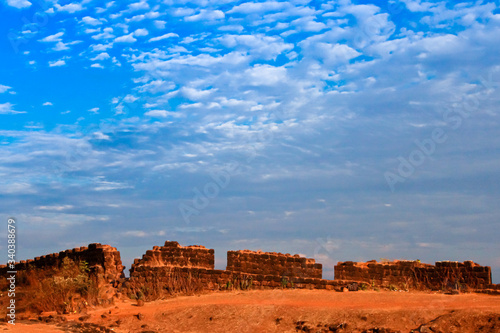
(340, 130)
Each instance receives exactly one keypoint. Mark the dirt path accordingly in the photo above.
(289, 310)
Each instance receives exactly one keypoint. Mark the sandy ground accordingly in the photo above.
(287, 311)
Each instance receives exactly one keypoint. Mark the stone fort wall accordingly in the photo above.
(174, 255)
(104, 262)
(414, 274)
(272, 263)
(173, 268)
(191, 269)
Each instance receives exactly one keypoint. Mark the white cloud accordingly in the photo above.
(141, 17)
(106, 34)
(236, 27)
(6, 108)
(126, 39)
(157, 86)
(116, 62)
(94, 110)
(135, 233)
(122, 26)
(56, 208)
(141, 32)
(101, 47)
(100, 10)
(266, 75)
(47, 104)
(418, 6)
(177, 49)
(308, 126)
(57, 63)
(182, 11)
(102, 185)
(329, 53)
(19, 3)
(142, 5)
(309, 24)
(91, 31)
(53, 38)
(160, 24)
(191, 106)
(60, 46)
(69, 8)
(196, 94)
(203, 60)
(101, 56)
(266, 47)
(17, 188)
(101, 136)
(259, 7)
(97, 66)
(157, 113)
(169, 35)
(91, 21)
(206, 15)
(130, 99)
(4, 88)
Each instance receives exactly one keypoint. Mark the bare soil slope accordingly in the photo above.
(285, 311)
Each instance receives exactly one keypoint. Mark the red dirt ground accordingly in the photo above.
(285, 311)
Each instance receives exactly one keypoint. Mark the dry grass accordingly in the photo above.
(66, 289)
(175, 281)
(159, 287)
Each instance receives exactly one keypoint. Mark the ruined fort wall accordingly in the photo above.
(272, 263)
(158, 282)
(414, 274)
(173, 268)
(174, 255)
(157, 276)
(103, 261)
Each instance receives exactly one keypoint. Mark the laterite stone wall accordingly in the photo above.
(272, 263)
(174, 255)
(103, 261)
(415, 274)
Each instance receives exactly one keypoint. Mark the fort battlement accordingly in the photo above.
(415, 274)
(272, 263)
(103, 261)
(173, 268)
(174, 255)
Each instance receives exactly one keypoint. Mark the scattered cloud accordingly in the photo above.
(101, 56)
(206, 15)
(160, 24)
(141, 32)
(57, 63)
(69, 8)
(53, 38)
(19, 3)
(4, 88)
(55, 208)
(295, 103)
(60, 46)
(126, 39)
(165, 36)
(91, 21)
(157, 113)
(7, 108)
